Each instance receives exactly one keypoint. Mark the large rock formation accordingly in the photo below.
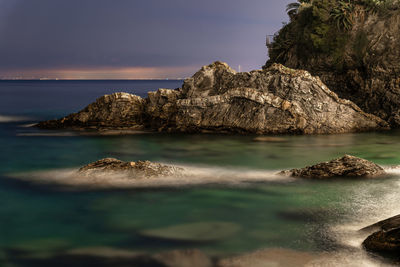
(353, 46)
(347, 166)
(272, 101)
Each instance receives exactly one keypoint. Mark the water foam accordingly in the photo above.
(6, 119)
(191, 176)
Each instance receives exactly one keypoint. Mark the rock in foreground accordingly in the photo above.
(347, 166)
(386, 241)
(385, 225)
(217, 99)
(139, 169)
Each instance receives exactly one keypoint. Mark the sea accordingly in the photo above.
(257, 210)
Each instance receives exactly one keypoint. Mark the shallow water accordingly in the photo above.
(269, 211)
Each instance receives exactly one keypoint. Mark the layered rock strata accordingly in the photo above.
(277, 100)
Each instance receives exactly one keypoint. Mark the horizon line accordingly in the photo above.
(97, 79)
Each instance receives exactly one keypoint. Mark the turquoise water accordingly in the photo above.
(302, 215)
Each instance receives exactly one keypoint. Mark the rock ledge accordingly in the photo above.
(347, 166)
(277, 100)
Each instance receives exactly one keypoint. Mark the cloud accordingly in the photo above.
(77, 34)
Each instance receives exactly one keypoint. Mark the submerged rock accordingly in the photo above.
(184, 258)
(139, 169)
(113, 257)
(217, 99)
(270, 139)
(347, 166)
(270, 257)
(194, 232)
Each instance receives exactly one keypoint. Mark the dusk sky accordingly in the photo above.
(128, 39)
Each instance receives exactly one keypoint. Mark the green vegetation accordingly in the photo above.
(325, 27)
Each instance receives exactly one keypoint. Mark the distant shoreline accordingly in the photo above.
(55, 80)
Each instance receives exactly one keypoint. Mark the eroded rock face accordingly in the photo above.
(119, 110)
(200, 232)
(347, 166)
(139, 169)
(386, 238)
(369, 73)
(217, 99)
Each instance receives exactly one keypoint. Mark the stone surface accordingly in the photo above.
(386, 243)
(217, 99)
(119, 110)
(370, 73)
(385, 225)
(347, 166)
(385, 239)
(139, 169)
(194, 232)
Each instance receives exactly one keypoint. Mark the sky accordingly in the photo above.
(133, 39)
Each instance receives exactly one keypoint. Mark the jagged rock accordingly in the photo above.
(217, 99)
(139, 169)
(347, 166)
(363, 67)
(119, 110)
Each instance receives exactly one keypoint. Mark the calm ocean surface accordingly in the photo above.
(309, 216)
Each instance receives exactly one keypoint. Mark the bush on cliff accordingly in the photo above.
(324, 27)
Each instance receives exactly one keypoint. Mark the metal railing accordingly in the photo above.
(269, 39)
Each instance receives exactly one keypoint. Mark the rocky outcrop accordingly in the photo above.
(119, 110)
(358, 61)
(217, 99)
(386, 241)
(139, 169)
(347, 166)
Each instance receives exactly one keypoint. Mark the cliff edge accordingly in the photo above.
(353, 46)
